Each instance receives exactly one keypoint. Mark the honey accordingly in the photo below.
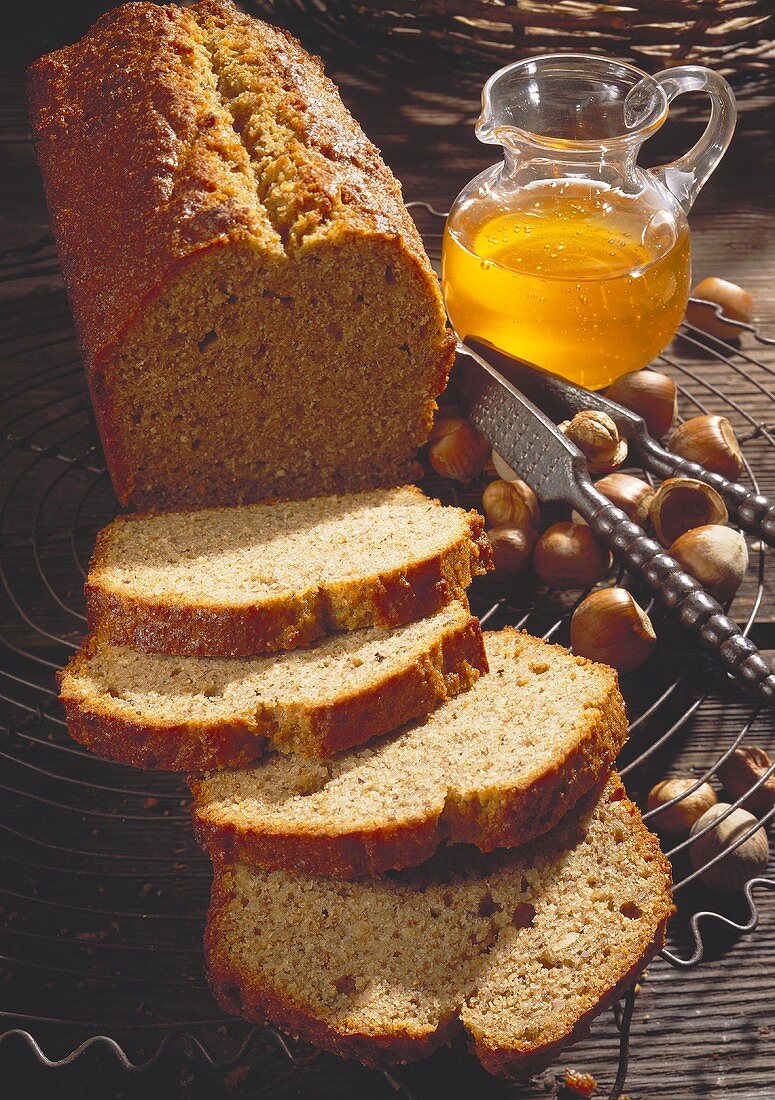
(572, 275)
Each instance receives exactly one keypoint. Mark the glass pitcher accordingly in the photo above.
(568, 254)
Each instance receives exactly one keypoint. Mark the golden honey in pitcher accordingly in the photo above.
(568, 278)
(568, 254)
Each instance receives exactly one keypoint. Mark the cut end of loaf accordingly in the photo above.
(258, 317)
(255, 379)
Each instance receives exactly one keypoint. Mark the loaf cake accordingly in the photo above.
(519, 949)
(497, 765)
(231, 582)
(194, 713)
(256, 313)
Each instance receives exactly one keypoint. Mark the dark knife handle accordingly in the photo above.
(696, 610)
(752, 511)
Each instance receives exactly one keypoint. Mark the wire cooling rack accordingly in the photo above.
(103, 889)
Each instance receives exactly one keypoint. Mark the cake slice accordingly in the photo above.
(518, 949)
(231, 582)
(497, 765)
(192, 713)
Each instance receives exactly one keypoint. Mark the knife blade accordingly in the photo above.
(519, 431)
(555, 469)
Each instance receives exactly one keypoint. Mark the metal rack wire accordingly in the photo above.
(103, 889)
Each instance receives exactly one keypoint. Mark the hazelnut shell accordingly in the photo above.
(629, 493)
(456, 449)
(715, 556)
(509, 504)
(735, 303)
(678, 819)
(682, 503)
(742, 770)
(609, 626)
(650, 394)
(512, 548)
(597, 437)
(738, 867)
(710, 441)
(568, 555)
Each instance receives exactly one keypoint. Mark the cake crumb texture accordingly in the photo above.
(495, 766)
(193, 713)
(231, 582)
(519, 949)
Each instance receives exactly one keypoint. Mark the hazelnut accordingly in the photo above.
(736, 305)
(744, 768)
(568, 555)
(609, 626)
(648, 393)
(530, 499)
(629, 493)
(682, 503)
(738, 867)
(457, 450)
(510, 504)
(715, 556)
(512, 548)
(597, 437)
(678, 819)
(710, 441)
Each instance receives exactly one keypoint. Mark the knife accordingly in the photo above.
(556, 469)
(561, 400)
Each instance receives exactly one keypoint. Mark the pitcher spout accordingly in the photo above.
(570, 101)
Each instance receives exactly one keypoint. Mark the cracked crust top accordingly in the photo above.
(246, 139)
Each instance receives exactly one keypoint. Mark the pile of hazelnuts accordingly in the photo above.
(687, 516)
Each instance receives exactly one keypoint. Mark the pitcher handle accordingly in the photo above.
(684, 177)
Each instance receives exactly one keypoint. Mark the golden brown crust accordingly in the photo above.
(385, 599)
(257, 1002)
(452, 664)
(170, 749)
(126, 111)
(497, 818)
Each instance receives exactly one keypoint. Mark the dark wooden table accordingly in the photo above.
(704, 1033)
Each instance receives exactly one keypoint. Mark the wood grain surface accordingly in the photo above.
(708, 1032)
